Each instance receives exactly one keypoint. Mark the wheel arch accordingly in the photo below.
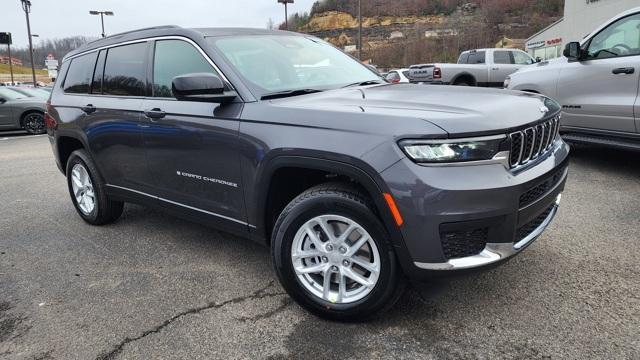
(356, 170)
(65, 145)
(465, 75)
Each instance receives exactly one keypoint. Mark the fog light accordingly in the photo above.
(558, 199)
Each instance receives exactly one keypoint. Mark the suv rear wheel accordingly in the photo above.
(333, 256)
(88, 191)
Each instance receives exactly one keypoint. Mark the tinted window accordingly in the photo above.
(78, 79)
(125, 70)
(96, 86)
(476, 58)
(174, 58)
(521, 58)
(501, 57)
(622, 38)
(464, 58)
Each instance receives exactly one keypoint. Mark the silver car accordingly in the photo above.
(596, 83)
(19, 111)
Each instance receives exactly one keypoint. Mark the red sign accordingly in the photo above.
(554, 41)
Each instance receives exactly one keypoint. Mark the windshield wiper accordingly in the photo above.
(288, 93)
(365, 83)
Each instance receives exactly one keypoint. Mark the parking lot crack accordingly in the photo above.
(285, 302)
(256, 295)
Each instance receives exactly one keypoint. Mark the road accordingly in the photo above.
(153, 286)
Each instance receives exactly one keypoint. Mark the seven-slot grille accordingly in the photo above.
(532, 142)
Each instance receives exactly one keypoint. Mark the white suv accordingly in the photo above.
(596, 83)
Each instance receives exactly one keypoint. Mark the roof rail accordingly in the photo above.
(137, 30)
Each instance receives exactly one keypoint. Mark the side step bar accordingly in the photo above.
(619, 143)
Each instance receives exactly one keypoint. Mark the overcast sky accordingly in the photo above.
(62, 18)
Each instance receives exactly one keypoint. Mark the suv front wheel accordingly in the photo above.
(88, 191)
(333, 256)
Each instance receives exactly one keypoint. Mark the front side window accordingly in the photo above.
(501, 57)
(521, 58)
(125, 70)
(622, 38)
(273, 63)
(78, 80)
(393, 76)
(174, 58)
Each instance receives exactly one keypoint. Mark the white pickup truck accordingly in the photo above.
(481, 67)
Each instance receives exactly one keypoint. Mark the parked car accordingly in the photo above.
(19, 111)
(596, 83)
(397, 76)
(31, 92)
(481, 67)
(354, 183)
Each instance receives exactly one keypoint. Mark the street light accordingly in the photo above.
(102, 14)
(26, 6)
(286, 15)
(359, 30)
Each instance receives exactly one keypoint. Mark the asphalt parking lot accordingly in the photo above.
(152, 286)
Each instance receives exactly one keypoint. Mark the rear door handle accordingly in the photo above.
(625, 70)
(89, 108)
(155, 113)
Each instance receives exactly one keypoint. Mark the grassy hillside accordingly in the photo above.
(4, 69)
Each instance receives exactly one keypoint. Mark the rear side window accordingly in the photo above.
(501, 57)
(174, 58)
(125, 70)
(78, 80)
(464, 58)
(476, 58)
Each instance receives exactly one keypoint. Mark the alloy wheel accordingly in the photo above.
(335, 259)
(83, 189)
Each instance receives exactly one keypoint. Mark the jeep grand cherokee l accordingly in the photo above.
(354, 183)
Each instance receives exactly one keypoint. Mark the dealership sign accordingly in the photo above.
(543, 43)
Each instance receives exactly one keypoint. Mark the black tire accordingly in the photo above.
(33, 123)
(462, 83)
(105, 210)
(343, 200)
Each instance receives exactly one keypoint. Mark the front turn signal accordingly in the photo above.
(393, 208)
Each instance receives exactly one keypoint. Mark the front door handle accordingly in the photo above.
(624, 70)
(495, 69)
(155, 113)
(89, 108)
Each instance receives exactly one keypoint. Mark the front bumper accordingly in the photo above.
(493, 252)
(459, 218)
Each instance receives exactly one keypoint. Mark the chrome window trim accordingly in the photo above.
(154, 38)
(182, 205)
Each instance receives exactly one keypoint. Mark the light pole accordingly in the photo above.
(286, 14)
(26, 6)
(102, 14)
(360, 30)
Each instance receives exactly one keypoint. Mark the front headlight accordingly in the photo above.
(454, 150)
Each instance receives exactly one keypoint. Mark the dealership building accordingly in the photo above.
(580, 18)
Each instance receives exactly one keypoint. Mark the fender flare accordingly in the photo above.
(354, 168)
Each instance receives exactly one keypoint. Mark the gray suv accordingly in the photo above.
(596, 83)
(354, 183)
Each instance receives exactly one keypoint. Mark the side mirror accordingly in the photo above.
(201, 87)
(538, 59)
(3, 100)
(572, 51)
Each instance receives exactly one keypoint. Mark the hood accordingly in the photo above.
(459, 111)
(542, 66)
(30, 102)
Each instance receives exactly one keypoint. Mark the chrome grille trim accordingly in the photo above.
(541, 138)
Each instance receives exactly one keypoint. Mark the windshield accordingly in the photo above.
(274, 63)
(9, 94)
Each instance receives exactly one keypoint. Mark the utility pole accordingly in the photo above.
(10, 63)
(26, 6)
(102, 14)
(286, 13)
(360, 30)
